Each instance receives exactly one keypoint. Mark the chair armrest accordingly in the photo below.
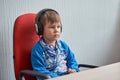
(33, 73)
(87, 66)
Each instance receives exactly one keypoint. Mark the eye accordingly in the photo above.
(51, 27)
(58, 26)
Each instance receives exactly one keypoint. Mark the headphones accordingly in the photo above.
(39, 27)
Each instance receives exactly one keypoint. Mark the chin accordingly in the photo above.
(56, 38)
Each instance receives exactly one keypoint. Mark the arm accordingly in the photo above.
(71, 61)
(38, 63)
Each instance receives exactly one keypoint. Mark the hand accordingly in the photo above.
(71, 70)
(64, 62)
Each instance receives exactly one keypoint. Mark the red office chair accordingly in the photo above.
(24, 37)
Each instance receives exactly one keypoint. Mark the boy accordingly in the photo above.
(51, 55)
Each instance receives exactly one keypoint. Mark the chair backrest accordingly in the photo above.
(24, 37)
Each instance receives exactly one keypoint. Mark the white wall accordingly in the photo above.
(90, 27)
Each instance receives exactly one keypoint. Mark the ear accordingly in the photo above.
(36, 28)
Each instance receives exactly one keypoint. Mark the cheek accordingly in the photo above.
(47, 33)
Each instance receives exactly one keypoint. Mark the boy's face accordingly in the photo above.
(52, 31)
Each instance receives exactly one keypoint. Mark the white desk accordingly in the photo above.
(108, 72)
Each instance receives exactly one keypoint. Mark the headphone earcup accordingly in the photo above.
(36, 28)
(61, 27)
(39, 29)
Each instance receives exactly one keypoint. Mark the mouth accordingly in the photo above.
(56, 35)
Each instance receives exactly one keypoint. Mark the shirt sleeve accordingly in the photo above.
(71, 60)
(38, 63)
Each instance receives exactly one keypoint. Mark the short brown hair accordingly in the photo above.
(49, 16)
